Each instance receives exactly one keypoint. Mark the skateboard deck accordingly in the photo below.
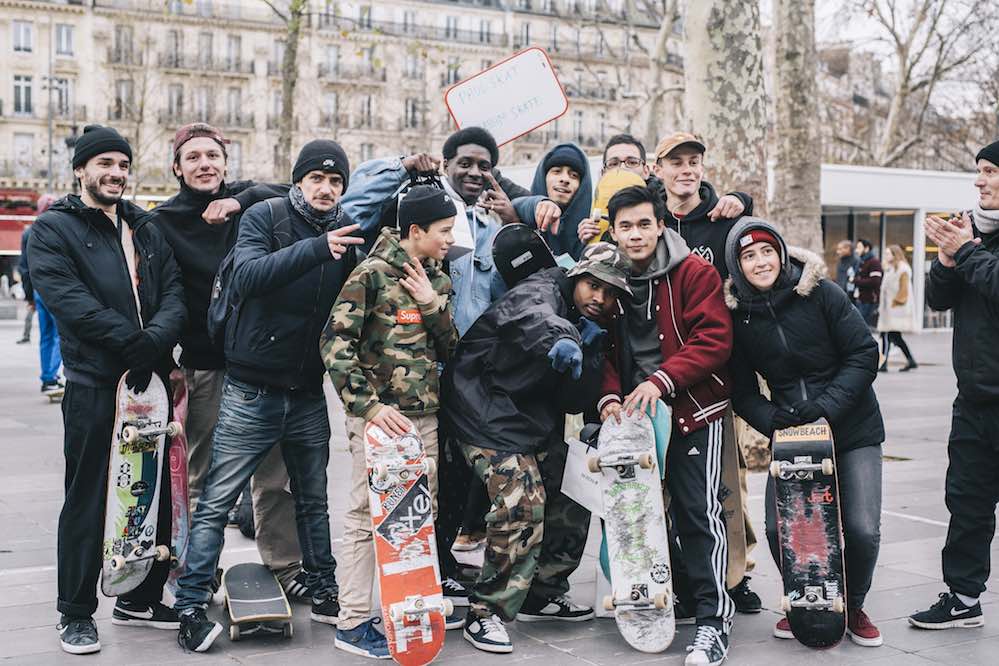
(520, 251)
(402, 521)
(135, 468)
(612, 182)
(180, 527)
(635, 525)
(810, 533)
(55, 396)
(255, 601)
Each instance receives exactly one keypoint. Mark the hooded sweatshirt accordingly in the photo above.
(706, 237)
(579, 207)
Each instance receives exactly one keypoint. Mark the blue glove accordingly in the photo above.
(566, 354)
(590, 332)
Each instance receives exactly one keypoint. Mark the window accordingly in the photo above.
(279, 53)
(554, 39)
(408, 21)
(367, 151)
(61, 103)
(365, 115)
(24, 154)
(175, 100)
(525, 34)
(233, 105)
(368, 59)
(22, 95)
(122, 99)
(175, 47)
(205, 48)
(203, 7)
(22, 36)
(333, 59)
(233, 52)
(577, 126)
(364, 17)
(234, 164)
(452, 76)
(486, 64)
(601, 43)
(412, 68)
(64, 39)
(603, 126)
(485, 31)
(451, 27)
(276, 103)
(331, 107)
(412, 113)
(123, 43)
(203, 103)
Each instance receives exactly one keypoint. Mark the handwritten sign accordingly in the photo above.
(511, 98)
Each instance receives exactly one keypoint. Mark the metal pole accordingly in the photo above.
(51, 110)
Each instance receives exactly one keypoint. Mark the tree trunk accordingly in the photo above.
(725, 96)
(289, 79)
(657, 92)
(796, 206)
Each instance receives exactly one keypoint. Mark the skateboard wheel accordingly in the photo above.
(659, 601)
(608, 601)
(429, 467)
(785, 603)
(161, 554)
(838, 605)
(645, 461)
(117, 562)
(593, 464)
(827, 466)
(129, 434)
(447, 607)
(174, 428)
(174, 562)
(234, 632)
(396, 614)
(381, 471)
(775, 468)
(288, 630)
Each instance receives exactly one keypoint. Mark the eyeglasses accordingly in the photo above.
(631, 163)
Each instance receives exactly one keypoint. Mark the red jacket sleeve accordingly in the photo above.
(610, 388)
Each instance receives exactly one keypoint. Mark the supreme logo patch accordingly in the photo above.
(408, 317)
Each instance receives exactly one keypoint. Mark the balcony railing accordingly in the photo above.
(415, 31)
(120, 56)
(607, 93)
(333, 120)
(70, 112)
(200, 63)
(361, 72)
(274, 122)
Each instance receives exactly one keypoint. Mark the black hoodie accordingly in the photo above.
(78, 266)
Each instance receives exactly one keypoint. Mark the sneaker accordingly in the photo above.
(297, 588)
(455, 620)
(52, 386)
(861, 630)
(326, 610)
(132, 614)
(948, 613)
(468, 542)
(455, 591)
(683, 614)
(710, 647)
(23, 341)
(911, 365)
(487, 633)
(363, 640)
(78, 635)
(746, 601)
(559, 608)
(783, 629)
(197, 632)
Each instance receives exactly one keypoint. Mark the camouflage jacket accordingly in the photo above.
(380, 346)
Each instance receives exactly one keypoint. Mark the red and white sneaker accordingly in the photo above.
(783, 629)
(861, 630)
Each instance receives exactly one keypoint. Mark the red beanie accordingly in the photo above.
(759, 236)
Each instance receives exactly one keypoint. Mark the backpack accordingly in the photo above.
(225, 300)
(389, 215)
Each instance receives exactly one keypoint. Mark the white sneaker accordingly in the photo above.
(487, 633)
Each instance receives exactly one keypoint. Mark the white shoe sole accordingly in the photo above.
(521, 617)
(468, 548)
(865, 642)
(967, 623)
(457, 602)
(323, 619)
(209, 639)
(347, 647)
(137, 622)
(488, 647)
(81, 649)
(783, 635)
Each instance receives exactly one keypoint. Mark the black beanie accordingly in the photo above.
(565, 156)
(321, 155)
(424, 204)
(990, 153)
(97, 139)
(474, 135)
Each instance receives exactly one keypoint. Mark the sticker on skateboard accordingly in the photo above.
(256, 603)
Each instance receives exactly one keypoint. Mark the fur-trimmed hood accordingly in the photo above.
(810, 270)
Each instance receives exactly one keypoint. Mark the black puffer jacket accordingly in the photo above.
(499, 390)
(971, 288)
(807, 341)
(287, 281)
(78, 266)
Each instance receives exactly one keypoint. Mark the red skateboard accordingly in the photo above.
(181, 525)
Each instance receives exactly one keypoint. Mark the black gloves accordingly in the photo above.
(140, 351)
(138, 379)
(782, 418)
(807, 411)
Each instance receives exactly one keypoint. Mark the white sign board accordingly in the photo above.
(511, 98)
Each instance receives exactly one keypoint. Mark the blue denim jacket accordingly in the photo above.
(475, 282)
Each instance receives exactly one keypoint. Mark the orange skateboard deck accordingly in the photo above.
(402, 521)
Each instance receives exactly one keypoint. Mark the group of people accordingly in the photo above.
(678, 295)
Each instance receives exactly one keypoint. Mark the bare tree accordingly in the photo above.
(659, 91)
(292, 17)
(797, 171)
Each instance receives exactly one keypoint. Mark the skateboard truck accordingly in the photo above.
(402, 470)
(801, 468)
(620, 462)
(637, 600)
(814, 598)
(132, 434)
(159, 553)
(417, 608)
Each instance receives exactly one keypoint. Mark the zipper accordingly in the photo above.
(783, 339)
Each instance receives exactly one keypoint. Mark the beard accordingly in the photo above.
(93, 188)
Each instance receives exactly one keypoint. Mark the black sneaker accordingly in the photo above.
(52, 386)
(455, 591)
(326, 610)
(297, 589)
(456, 620)
(23, 341)
(197, 632)
(710, 647)
(78, 635)
(948, 613)
(683, 613)
(132, 614)
(559, 608)
(746, 601)
(487, 633)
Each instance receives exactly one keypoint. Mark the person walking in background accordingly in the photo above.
(895, 307)
(868, 281)
(49, 353)
(29, 296)
(847, 268)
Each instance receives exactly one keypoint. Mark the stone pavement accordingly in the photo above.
(916, 406)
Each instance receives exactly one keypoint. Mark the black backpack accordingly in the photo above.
(389, 215)
(225, 299)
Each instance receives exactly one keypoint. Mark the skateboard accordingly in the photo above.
(810, 533)
(135, 469)
(520, 251)
(256, 602)
(55, 396)
(635, 528)
(612, 182)
(402, 521)
(180, 527)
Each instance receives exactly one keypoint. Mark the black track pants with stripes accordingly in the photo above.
(693, 476)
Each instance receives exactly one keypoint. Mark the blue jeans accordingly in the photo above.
(252, 419)
(48, 343)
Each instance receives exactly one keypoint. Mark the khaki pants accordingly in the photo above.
(273, 506)
(356, 562)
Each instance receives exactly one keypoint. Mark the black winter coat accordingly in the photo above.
(499, 390)
(807, 341)
(287, 282)
(971, 288)
(78, 266)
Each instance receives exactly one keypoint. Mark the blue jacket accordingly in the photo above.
(475, 282)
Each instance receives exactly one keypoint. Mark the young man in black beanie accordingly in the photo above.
(113, 286)
(200, 222)
(291, 257)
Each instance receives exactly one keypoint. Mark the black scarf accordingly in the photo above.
(321, 221)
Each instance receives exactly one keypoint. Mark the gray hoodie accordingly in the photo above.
(639, 311)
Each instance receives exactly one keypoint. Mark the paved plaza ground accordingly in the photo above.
(916, 407)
